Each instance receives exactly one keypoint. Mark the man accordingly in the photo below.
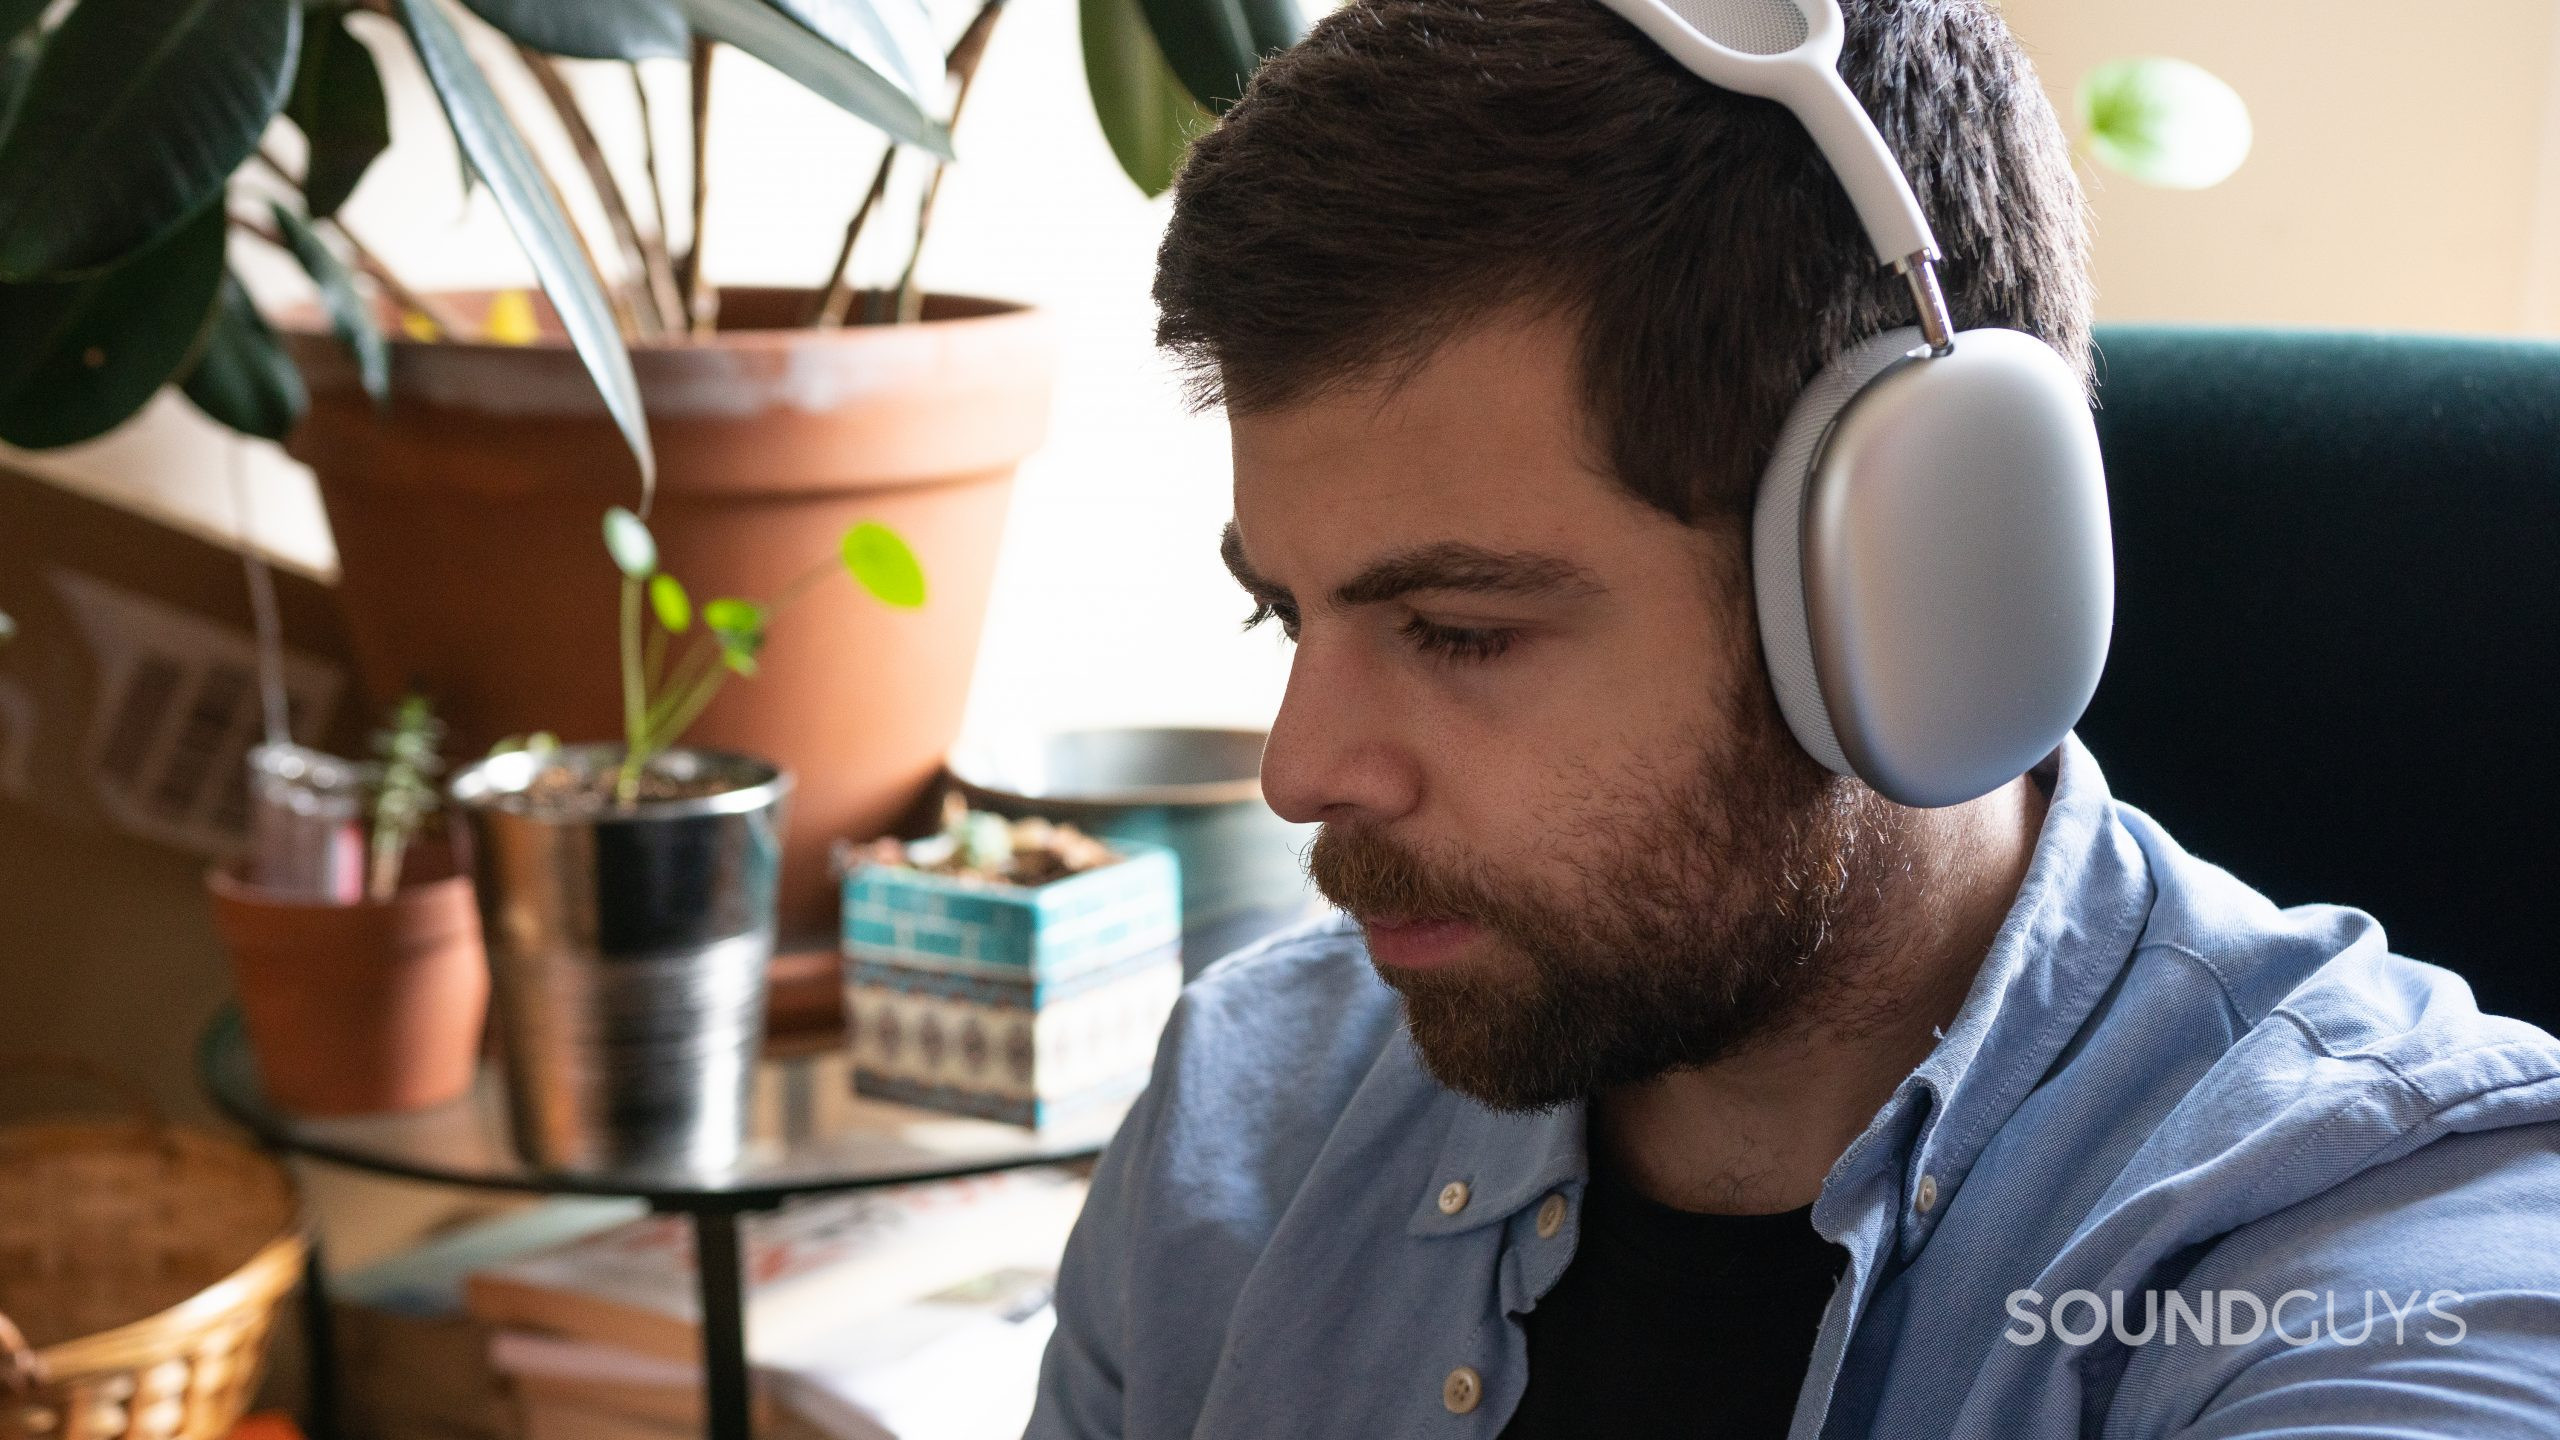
(1657, 1081)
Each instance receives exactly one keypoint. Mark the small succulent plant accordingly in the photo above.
(978, 845)
(410, 746)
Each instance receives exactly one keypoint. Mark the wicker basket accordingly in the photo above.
(141, 1266)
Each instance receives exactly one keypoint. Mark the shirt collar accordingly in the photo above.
(2065, 941)
(2068, 934)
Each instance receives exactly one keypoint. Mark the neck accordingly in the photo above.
(1756, 1131)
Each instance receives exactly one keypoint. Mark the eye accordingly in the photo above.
(1265, 610)
(1452, 642)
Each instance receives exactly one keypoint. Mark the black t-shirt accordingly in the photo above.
(1673, 1324)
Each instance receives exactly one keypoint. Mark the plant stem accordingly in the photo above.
(691, 707)
(799, 585)
(437, 313)
(703, 659)
(626, 786)
(910, 294)
(444, 317)
(654, 668)
(836, 296)
(963, 65)
(662, 270)
(646, 306)
(618, 297)
(689, 270)
(382, 870)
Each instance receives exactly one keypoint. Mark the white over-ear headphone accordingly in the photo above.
(1929, 546)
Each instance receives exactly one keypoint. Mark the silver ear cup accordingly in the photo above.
(1954, 579)
(1777, 539)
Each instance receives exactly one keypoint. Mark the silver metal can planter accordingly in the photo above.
(628, 953)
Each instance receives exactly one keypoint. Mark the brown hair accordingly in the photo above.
(1415, 166)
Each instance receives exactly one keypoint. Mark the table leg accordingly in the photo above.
(319, 1349)
(726, 1407)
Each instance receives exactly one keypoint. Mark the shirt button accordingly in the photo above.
(1453, 1197)
(1928, 1196)
(1462, 1390)
(1551, 1217)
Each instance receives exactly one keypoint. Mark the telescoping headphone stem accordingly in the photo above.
(1929, 545)
(1937, 329)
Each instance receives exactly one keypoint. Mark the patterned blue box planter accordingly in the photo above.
(1012, 1002)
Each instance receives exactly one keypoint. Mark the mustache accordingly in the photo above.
(1373, 877)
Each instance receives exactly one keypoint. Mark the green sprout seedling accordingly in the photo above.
(664, 693)
(408, 746)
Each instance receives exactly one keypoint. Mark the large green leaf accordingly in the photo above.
(807, 57)
(349, 314)
(894, 37)
(18, 16)
(1146, 114)
(136, 114)
(591, 29)
(17, 62)
(243, 378)
(1275, 24)
(20, 44)
(1215, 45)
(79, 356)
(490, 140)
(338, 105)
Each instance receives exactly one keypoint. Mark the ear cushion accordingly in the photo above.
(1777, 539)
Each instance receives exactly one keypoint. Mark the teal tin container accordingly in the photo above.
(1195, 791)
(1031, 1004)
(1041, 933)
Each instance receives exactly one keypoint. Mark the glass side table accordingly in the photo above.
(809, 1134)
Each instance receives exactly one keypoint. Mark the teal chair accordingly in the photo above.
(2336, 667)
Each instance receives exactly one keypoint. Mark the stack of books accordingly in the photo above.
(413, 1362)
(913, 1313)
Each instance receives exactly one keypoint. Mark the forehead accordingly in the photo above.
(1484, 442)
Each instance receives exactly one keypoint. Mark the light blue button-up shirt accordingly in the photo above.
(2163, 1098)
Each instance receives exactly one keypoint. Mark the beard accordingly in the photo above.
(1686, 908)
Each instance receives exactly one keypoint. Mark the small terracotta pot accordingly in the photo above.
(354, 1009)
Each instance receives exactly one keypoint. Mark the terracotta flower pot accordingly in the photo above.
(467, 514)
(352, 1009)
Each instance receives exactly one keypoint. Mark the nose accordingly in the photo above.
(1335, 753)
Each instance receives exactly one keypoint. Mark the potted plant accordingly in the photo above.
(627, 891)
(355, 948)
(1015, 969)
(458, 463)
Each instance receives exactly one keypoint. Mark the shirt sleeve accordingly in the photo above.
(1082, 1372)
(2482, 1366)
(2453, 1252)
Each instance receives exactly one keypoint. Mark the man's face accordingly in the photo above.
(1528, 710)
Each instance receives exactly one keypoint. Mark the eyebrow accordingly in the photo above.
(1442, 565)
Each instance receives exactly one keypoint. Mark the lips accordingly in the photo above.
(1417, 943)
